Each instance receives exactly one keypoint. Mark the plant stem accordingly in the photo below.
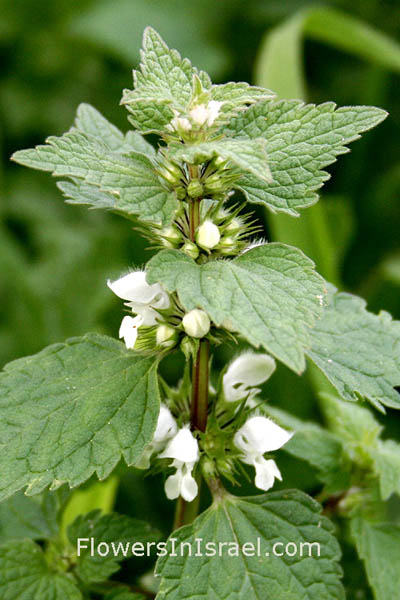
(194, 217)
(199, 406)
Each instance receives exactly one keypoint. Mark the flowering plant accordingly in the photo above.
(76, 408)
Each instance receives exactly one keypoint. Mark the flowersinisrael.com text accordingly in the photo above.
(199, 548)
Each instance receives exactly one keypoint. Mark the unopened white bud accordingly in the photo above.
(191, 250)
(166, 336)
(196, 323)
(171, 234)
(208, 235)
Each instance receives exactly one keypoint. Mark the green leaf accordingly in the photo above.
(270, 294)
(315, 445)
(289, 516)
(118, 531)
(127, 184)
(73, 410)
(302, 139)
(354, 424)
(31, 517)
(358, 351)
(378, 545)
(164, 83)
(248, 155)
(387, 466)
(25, 574)
(88, 120)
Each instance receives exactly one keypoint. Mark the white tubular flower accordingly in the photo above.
(208, 235)
(257, 436)
(166, 428)
(184, 449)
(246, 372)
(129, 330)
(144, 300)
(196, 323)
(202, 114)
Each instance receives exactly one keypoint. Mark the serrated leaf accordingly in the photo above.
(359, 352)
(289, 516)
(25, 574)
(34, 517)
(127, 184)
(164, 82)
(72, 410)
(248, 155)
(386, 458)
(317, 446)
(118, 531)
(90, 121)
(271, 295)
(302, 140)
(378, 545)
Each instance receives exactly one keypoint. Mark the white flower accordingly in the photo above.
(184, 449)
(179, 124)
(129, 330)
(196, 323)
(166, 428)
(144, 300)
(205, 114)
(208, 235)
(244, 373)
(257, 436)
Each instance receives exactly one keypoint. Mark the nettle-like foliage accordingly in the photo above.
(76, 408)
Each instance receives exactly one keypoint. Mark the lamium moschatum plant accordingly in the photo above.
(79, 407)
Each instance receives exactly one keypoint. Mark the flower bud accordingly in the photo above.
(191, 250)
(227, 245)
(166, 336)
(170, 172)
(214, 184)
(180, 192)
(172, 235)
(195, 189)
(196, 323)
(208, 235)
(234, 227)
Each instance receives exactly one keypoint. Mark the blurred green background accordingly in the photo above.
(55, 259)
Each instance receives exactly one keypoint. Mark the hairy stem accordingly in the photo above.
(194, 217)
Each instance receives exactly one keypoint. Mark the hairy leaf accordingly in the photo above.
(127, 184)
(271, 295)
(283, 517)
(302, 139)
(91, 121)
(72, 410)
(26, 575)
(119, 531)
(359, 352)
